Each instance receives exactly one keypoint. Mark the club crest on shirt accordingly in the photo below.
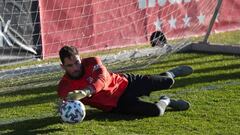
(96, 67)
(90, 79)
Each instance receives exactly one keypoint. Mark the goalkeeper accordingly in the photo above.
(89, 81)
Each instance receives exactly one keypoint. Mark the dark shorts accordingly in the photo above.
(142, 85)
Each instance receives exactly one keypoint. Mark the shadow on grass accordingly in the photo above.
(179, 83)
(166, 61)
(206, 78)
(31, 101)
(185, 57)
(210, 69)
(48, 89)
(163, 61)
(156, 65)
(32, 126)
(98, 115)
(94, 114)
(28, 102)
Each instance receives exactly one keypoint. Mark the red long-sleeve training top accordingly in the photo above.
(108, 86)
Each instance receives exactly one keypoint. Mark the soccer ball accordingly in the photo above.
(72, 111)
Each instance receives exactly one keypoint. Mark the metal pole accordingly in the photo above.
(1, 37)
(214, 17)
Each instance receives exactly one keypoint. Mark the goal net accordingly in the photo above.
(122, 33)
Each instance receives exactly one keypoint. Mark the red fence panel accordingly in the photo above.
(99, 24)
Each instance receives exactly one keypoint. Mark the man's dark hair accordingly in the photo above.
(157, 36)
(67, 52)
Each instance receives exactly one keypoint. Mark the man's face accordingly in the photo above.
(72, 66)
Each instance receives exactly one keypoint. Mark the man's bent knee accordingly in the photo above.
(169, 82)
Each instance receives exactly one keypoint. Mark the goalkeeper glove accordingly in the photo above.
(79, 94)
